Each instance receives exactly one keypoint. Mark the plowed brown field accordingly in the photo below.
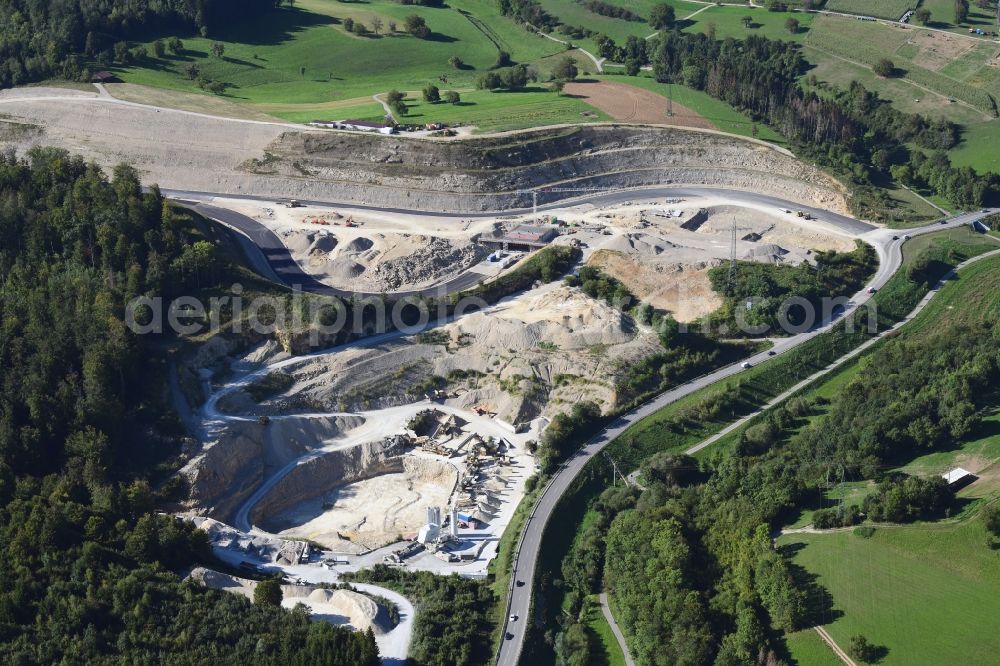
(634, 105)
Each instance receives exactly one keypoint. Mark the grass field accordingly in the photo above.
(808, 649)
(606, 651)
(928, 593)
(943, 16)
(498, 111)
(922, 591)
(728, 22)
(980, 147)
(890, 9)
(575, 14)
(264, 60)
(950, 65)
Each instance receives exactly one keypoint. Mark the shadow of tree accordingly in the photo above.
(272, 28)
(819, 602)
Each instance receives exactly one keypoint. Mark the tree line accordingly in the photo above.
(851, 131)
(87, 434)
(41, 39)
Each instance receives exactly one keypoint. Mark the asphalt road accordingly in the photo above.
(275, 261)
(528, 548)
(557, 201)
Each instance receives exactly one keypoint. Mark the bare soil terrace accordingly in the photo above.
(629, 104)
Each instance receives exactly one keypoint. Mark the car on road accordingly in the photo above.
(895, 238)
(508, 635)
(520, 583)
(944, 221)
(513, 618)
(771, 353)
(872, 290)
(906, 237)
(746, 364)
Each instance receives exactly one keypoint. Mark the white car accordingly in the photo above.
(746, 364)
(513, 618)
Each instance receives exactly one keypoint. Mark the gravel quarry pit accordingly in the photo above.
(370, 513)
(529, 355)
(237, 456)
(191, 151)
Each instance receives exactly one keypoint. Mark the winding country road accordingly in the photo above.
(615, 629)
(529, 546)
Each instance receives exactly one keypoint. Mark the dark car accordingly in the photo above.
(895, 238)
(520, 583)
(771, 353)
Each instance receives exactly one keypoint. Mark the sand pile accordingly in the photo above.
(352, 258)
(768, 252)
(642, 244)
(359, 611)
(322, 244)
(340, 607)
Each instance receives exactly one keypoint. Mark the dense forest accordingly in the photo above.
(40, 39)
(85, 564)
(455, 623)
(689, 562)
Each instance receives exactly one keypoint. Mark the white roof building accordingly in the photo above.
(956, 475)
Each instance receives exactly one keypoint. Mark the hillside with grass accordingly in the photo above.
(923, 591)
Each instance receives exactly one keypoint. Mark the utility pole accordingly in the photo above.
(732, 259)
(615, 471)
(732, 254)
